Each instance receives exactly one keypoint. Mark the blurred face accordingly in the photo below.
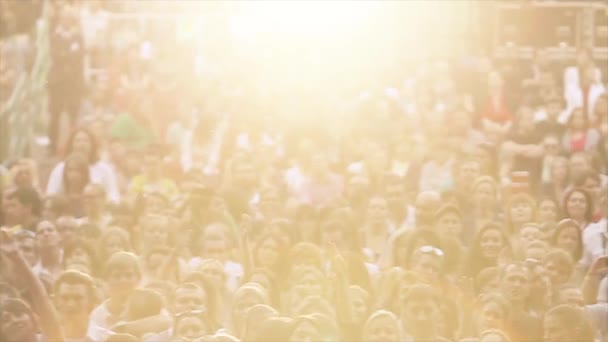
(420, 315)
(72, 300)
(426, 206)
(484, 195)
(93, 196)
(492, 337)
(428, 265)
(23, 178)
(469, 171)
(521, 212)
(155, 234)
(359, 308)
(214, 271)
(79, 256)
(113, 244)
(17, 326)
(190, 328)
(450, 224)
(82, 144)
(74, 174)
(268, 253)
(547, 211)
(214, 243)
(592, 186)
(559, 171)
(578, 165)
(551, 145)
(383, 328)
(515, 283)
(491, 243)
(395, 197)
(568, 239)
(122, 280)
(557, 271)
(578, 120)
(309, 284)
(187, 299)
(576, 206)
(68, 229)
(555, 330)
(377, 210)
(14, 210)
(47, 235)
(529, 234)
(305, 332)
(243, 301)
(491, 316)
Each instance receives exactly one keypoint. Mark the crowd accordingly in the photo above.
(453, 201)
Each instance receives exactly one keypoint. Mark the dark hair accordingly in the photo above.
(15, 305)
(72, 277)
(28, 197)
(565, 224)
(588, 199)
(476, 262)
(93, 156)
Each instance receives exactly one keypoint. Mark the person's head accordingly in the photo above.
(467, 171)
(214, 241)
(24, 174)
(487, 280)
(395, 195)
(122, 274)
(155, 231)
(17, 321)
(579, 164)
(577, 120)
(427, 203)
(529, 233)
(428, 262)
(47, 235)
(113, 239)
(420, 310)
(521, 208)
(83, 141)
(515, 282)
(305, 254)
(536, 250)
(54, 207)
(68, 229)
(28, 245)
(382, 326)
(590, 182)
(578, 205)
(245, 297)
(570, 295)
(190, 297)
(484, 192)
(567, 323)
(567, 236)
(306, 281)
(74, 295)
(268, 251)
(493, 311)
(76, 174)
(551, 145)
(377, 211)
(21, 205)
(188, 326)
(448, 221)
(490, 241)
(494, 335)
(560, 170)
(314, 327)
(253, 317)
(243, 172)
(80, 254)
(559, 266)
(548, 211)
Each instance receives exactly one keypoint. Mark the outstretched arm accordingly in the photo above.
(42, 303)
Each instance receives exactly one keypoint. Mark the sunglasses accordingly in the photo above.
(431, 250)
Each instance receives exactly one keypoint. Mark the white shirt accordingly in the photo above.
(593, 241)
(100, 173)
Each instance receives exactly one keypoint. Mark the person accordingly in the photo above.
(83, 142)
(22, 208)
(420, 313)
(75, 297)
(565, 323)
(49, 249)
(579, 136)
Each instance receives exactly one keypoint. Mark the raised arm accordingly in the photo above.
(43, 306)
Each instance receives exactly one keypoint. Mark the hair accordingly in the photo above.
(517, 198)
(484, 180)
(281, 248)
(552, 200)
(421, 292)
(254, 314)
(448, 208)
(501, 333)
(197, 281)
(573, 319)
(588, 199)
(16, 305)
(430, 237)
(325, 325)
(29, 197)
(484, 277)
(565, 224)
(476, 261)
(79, 243)
(93, 156)
(377, 315)
(72, 277)
(32, 167)
(122, 259)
